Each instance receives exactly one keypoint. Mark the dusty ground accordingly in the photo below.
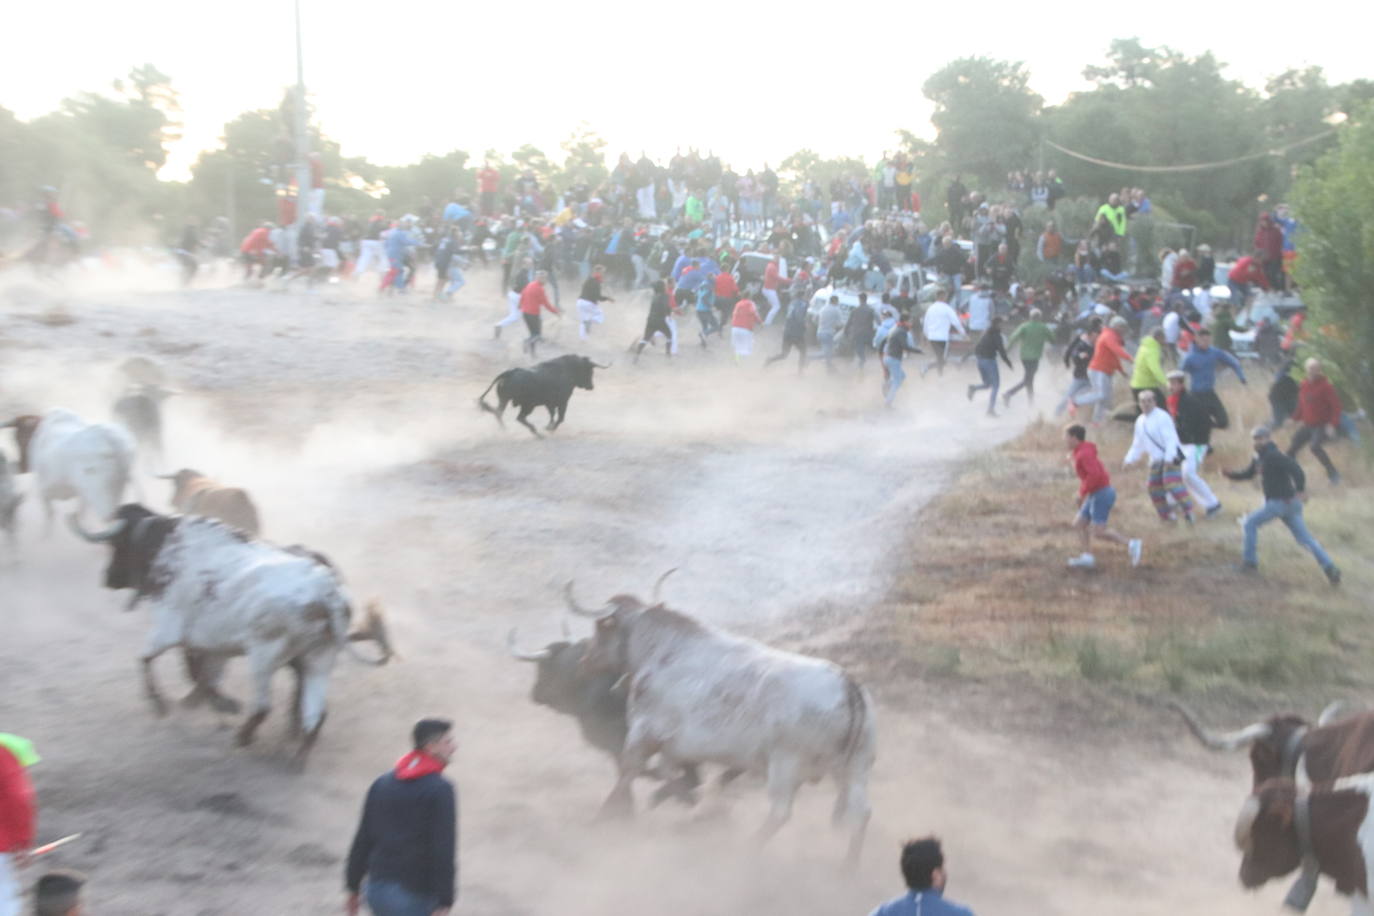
(352, 421)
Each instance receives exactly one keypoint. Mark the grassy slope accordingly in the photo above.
(983, 592)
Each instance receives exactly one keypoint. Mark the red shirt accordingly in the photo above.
(1248, 270)
(489, 181)
(257, 241)
(18, 811)
(745, 316)
(533, 298)
(770, 275)
(1092, 476)
(1318, 403)
(726, 286)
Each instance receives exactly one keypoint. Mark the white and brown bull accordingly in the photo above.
(73, 459)
(195, 494)
(1327, 831)
(697, 694)
(218, 594)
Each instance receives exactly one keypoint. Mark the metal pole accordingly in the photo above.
(302, 141)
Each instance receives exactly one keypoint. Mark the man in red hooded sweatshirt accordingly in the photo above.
(18, 814)
(406, 843)
(1096, 496)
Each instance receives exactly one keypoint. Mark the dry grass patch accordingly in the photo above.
(984, 591)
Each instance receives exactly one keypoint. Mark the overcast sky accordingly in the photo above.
(394, 80)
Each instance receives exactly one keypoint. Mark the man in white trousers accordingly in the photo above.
(519, 279)
(1194, 425)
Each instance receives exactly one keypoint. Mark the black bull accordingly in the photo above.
(549, 384)
(597, 701)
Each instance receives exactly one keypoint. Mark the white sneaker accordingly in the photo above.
(1082, 561)
(1135, 548)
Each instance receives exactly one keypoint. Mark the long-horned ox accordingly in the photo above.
(700, 695)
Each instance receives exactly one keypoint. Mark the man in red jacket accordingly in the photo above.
(1269, 244)
(1318, 415)
(18, 817)
(1096, 496)
(533, 299)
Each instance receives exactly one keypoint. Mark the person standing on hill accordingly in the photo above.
(406, 843)
(1096, 496)
(1284, 486)
(1032, 334)
(1318, 415)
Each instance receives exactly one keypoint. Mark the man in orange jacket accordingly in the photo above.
(1109, 358)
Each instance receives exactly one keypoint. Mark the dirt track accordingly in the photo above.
(781, 500)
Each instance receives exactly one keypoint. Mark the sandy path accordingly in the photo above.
(780, 501)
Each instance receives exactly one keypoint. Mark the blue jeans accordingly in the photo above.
(387, 898)
(1290, 512)
(992, 378)
(895, 376)
(1097, 506)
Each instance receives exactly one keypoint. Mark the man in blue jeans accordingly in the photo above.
(1283, 483)
(923, 869)
(406, 844)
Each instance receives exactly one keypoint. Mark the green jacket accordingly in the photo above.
(1149, 371)
(1222, 326)
(1115, 215)
(1033, 336)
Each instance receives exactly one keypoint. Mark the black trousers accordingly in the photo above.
(1316, 436)
(1215, 409)
(1029, 367)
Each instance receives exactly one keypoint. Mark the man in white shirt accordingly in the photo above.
(940, 321)
(1171, 325)
(1156, 437)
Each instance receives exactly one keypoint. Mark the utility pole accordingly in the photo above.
(302, 141)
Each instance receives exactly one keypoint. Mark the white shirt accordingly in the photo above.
(1170, 326)
(980, 311)
(940, 319)
(1155, 436)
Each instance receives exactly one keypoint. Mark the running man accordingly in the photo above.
(742, 324)
(990, 346)
(534, 299)
(941, 322)
(589, 303)
(1033, 334)
(1096, 496)
(1077, 355)
(1156, 437)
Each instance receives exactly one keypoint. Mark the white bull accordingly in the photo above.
(73, 459)
(700, 695)
(218, 594)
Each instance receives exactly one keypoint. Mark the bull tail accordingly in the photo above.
(482, 398)
(857, 704)
(339, 612)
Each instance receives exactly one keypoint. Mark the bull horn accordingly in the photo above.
(1332, 711)
(599, 366)
(659, 584)
(524, 656)
(1245, 821)
(12, 424)
(577, 608)
(1226, 741)
(98, 537)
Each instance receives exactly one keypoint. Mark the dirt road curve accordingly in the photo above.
(779, 499)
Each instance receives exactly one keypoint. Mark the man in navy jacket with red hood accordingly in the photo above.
(406, 844)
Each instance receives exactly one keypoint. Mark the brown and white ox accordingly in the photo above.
(700, 695)
(1281, 828)
(217, 594)
(195, 494)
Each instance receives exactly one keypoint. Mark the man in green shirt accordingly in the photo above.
(1032, 335)
(1222, 326)
(1115, 215)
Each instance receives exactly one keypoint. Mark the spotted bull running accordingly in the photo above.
(700, 695)
(217, 593)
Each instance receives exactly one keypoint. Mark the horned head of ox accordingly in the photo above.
(1275, 744)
